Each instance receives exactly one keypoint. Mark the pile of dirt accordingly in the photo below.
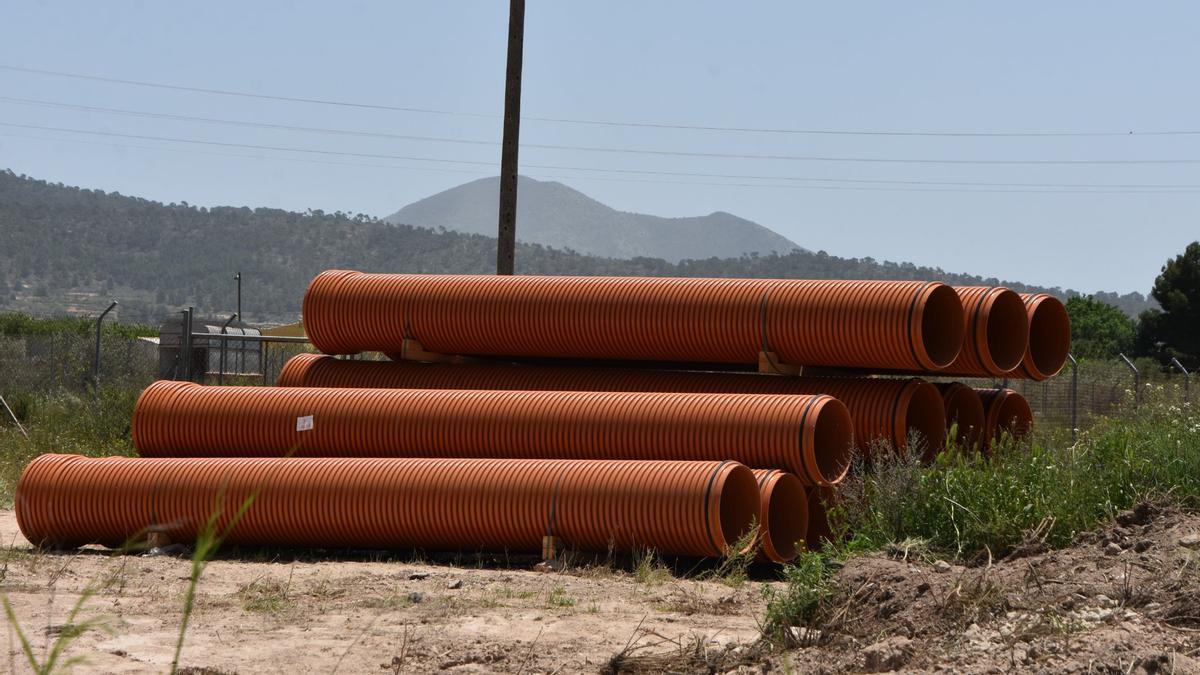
(1124, 598)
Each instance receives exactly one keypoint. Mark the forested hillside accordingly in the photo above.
(66, 249)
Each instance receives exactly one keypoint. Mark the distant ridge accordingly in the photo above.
(66, 250)
(555, 215)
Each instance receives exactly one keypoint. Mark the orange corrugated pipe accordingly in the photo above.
(882, 409)
(1049, 336)
(807, 435)
(897, 325)
(685, 508)
(997, 332)
(964, 408)
(782, 514)
(1007, 413)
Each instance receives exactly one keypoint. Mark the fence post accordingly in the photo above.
(187, 343)
(224, 341)
(13, 415)
(1187, 389)
(96, 362)
(1137, 381)
(1074, 396)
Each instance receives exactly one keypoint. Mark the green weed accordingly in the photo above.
(267, 596)
(64, 423)
(733, 570)
(965, 505)
(648, 568)
(794, 610)
(558, 598)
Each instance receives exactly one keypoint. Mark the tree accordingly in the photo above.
(1175, 330)
(1098, 329)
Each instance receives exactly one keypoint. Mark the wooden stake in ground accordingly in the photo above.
(14, 418)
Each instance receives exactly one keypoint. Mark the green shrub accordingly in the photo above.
(15, 323)
(64, 423)
(797, 605)
(966, 506)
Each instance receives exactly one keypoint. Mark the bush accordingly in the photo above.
(968, 506)
(797, 605)
(15, 323)
(65, 423)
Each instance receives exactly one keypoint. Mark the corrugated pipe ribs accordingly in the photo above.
(527, 413)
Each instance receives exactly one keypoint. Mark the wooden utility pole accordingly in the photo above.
(507, 238)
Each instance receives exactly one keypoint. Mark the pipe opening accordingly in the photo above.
(739, 504)
(787, 516)
(1007, 330)
(1049, 336)
(964, 408)
(833, 440)
(1015, 417)
(942, 326)
(925, 421)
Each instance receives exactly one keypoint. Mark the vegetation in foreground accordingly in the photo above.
(64, 423)
(964, 508)
(1025, 497)
(967, 506)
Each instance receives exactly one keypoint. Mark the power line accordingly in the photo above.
(218, 153)
(351, 132)
(409, 137)
(706, 155)
(240, 123)
(1141, 189)
(225, 92)
(591, 122)
(251, 146)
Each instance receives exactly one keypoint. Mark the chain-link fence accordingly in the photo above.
(47, 363)
(64, 361)
(43, 363)
(1089, 389)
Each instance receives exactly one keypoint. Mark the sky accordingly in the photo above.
(907, 79)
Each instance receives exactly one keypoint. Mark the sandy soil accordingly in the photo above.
(1124, 599)
(359, 614)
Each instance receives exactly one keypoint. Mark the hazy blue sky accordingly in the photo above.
(862, 66)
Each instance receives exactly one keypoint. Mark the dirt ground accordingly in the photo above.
(1124, 599)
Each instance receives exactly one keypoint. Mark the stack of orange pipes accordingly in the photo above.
(503, 455)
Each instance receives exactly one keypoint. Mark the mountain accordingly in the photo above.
(66, 250)
(555, 215)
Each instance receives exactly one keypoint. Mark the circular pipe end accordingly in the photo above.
(924, 420)
(1006, 331)
(1015, 417)
(964, 412)
(736, 496)
(783, 514)
(1007, 413)
(1049, 337)
(831, 449)
(942, 327)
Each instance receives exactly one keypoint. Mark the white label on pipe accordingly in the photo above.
(304, 423)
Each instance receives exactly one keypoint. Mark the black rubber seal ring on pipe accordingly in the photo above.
(803, 419)
(712, 480)
(912, 310)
